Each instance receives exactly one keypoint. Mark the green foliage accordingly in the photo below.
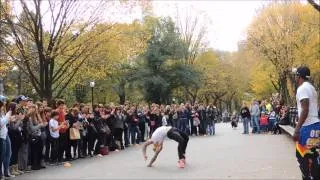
(160, 70)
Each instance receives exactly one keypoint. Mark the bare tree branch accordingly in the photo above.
(314, 4)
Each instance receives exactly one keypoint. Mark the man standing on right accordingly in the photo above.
(307, 131)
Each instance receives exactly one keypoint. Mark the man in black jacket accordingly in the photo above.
(134, 128)
(203, 120)
(245, 115)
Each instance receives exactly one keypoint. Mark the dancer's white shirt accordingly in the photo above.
(160, 134)
(307, 91)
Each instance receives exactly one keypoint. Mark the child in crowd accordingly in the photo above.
(264, 122)
(54, 128)
(234, 120)
(274, 118)
(196, 122)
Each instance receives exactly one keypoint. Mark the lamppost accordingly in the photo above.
(92, 83)
(1, 86)
(34, 91)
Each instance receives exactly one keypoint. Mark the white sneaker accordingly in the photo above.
(9, 176)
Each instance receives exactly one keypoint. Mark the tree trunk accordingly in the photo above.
(49, 98)
(284, 92)
(122, 93)
(19, 84)
(207, 99)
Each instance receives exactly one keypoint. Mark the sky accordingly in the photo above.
(226, 20)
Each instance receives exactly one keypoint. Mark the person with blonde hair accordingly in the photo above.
(36, 144)
(5, 143)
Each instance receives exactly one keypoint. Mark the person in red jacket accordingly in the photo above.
(64, 141)
(264, 122)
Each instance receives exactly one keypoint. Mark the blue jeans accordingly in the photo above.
(211, 128)
(271, 124)
(183, 124)
(255, 123)
(245, 122)
(135, 131)
(5, 155)
(126, 136)
(175, 123)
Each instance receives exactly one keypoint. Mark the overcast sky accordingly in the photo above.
(226, 20)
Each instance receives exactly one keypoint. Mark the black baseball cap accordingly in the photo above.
(21, 98)
(303, 71)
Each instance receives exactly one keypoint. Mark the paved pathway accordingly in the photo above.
(227, 155)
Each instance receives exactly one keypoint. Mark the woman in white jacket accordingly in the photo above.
(5, 144)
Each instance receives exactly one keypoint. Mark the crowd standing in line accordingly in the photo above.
(34, 135)
(264, 116)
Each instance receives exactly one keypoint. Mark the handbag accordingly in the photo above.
(105, 129)
(196, 121)
(74, 134)
(108, 130)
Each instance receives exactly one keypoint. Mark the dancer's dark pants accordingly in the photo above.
(181, 138)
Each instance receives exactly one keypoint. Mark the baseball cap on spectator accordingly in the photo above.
(21, 98)
(303, 71)
(3, 98)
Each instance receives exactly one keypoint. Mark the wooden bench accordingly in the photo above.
(288, 129)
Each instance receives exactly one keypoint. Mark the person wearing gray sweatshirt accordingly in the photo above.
(118, 126)
(255, 114)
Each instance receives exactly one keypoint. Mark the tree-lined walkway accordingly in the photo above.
(227, 155)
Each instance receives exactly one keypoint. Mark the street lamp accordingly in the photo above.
(34, 91)
(92, 84)
(174, 100)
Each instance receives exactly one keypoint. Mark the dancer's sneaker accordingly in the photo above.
(181, 164)
(184, 161)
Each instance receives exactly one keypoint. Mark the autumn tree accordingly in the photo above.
(315, 5)
(113, 62)
(192, 28)
(46, 49)
(286, 35)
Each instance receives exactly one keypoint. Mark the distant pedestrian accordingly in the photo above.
(245, 115)
(255, 116)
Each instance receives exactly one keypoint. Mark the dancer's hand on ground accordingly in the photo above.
(149, 165)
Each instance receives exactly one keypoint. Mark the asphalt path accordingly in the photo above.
(226, 155)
